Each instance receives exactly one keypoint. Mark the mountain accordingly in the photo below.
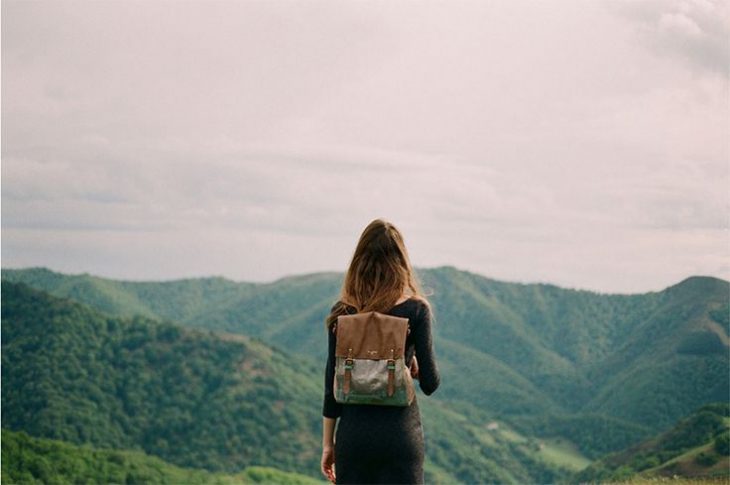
(550, 361)
(26, 459)
(698, 445)
(208, 400)
(221, 402)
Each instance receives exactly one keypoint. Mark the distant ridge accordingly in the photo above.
(45, 271)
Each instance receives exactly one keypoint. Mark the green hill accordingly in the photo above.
(188, 396)
(202, 399)
(29, 460)
(551, 361)
(697, 446)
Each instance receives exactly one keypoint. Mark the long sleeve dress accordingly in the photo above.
(384, 444)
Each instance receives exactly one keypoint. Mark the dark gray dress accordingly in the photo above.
(384, 444)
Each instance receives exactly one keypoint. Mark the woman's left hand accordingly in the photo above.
(328, 463)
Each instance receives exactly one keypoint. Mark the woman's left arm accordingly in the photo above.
(328, 432)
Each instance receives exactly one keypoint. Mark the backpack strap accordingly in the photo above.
(349, 364)
(391, 374)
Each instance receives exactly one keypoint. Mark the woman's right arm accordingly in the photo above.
(428, 373)
(331, 410)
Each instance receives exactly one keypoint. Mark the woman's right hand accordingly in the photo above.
(414, 368)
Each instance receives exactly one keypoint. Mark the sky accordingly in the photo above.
(581, 143)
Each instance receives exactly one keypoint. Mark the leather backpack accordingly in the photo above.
(370, 360)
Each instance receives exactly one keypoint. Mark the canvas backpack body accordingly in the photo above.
(370, 360)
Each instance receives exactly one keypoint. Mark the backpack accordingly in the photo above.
(370, 360)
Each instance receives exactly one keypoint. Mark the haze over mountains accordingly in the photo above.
(595, 372)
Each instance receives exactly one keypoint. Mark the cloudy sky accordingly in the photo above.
(581, 143)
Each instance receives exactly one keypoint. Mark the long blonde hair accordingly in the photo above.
(380, 272)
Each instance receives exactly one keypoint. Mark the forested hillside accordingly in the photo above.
(201, 399)
(550, 359)
(71, 373)
(592, 372)
(698, 445)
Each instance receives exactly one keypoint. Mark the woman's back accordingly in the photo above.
(384, 444)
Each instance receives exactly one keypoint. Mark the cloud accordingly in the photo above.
(694, 31)
(526, 140)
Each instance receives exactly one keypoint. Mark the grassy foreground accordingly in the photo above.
(30, 460)
(723, 480)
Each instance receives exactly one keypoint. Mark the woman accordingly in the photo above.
(379, 444)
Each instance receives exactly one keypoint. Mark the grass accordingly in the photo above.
(563, 453)
(674, 480)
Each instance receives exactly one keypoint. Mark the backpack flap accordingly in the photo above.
(370, 360)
